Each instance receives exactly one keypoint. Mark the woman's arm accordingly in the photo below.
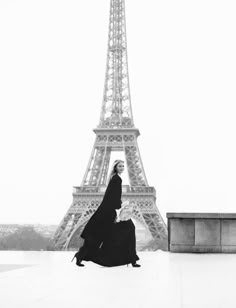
(112, 197)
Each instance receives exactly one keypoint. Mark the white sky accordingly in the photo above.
(182, 68)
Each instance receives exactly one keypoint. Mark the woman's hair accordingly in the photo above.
(114, 168)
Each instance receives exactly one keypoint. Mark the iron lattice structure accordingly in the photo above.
(115, 132)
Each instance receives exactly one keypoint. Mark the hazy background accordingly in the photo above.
(182, 69)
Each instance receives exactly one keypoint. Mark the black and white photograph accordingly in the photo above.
(118, 153)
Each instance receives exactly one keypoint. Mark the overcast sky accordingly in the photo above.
(182, 69)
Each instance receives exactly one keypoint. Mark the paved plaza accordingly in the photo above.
(49, 279)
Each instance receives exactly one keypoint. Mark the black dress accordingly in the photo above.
(106, 242)
(101, 222)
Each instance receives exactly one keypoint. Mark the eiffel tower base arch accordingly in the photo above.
(67, 236)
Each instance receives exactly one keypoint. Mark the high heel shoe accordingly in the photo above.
(78, 261)
(136, 265)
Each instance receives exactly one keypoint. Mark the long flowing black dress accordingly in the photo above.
(106, 242)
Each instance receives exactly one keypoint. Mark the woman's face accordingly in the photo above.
(120, 167)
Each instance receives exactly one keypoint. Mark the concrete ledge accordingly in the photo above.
(202, 232)
(201, 215)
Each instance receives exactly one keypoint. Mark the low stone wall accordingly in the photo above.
(201, 232)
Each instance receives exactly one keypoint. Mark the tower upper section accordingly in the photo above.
(116, 107)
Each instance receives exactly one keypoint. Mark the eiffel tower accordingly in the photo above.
(115, 132)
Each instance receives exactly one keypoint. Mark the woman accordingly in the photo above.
(100, 224)
(120, 247)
